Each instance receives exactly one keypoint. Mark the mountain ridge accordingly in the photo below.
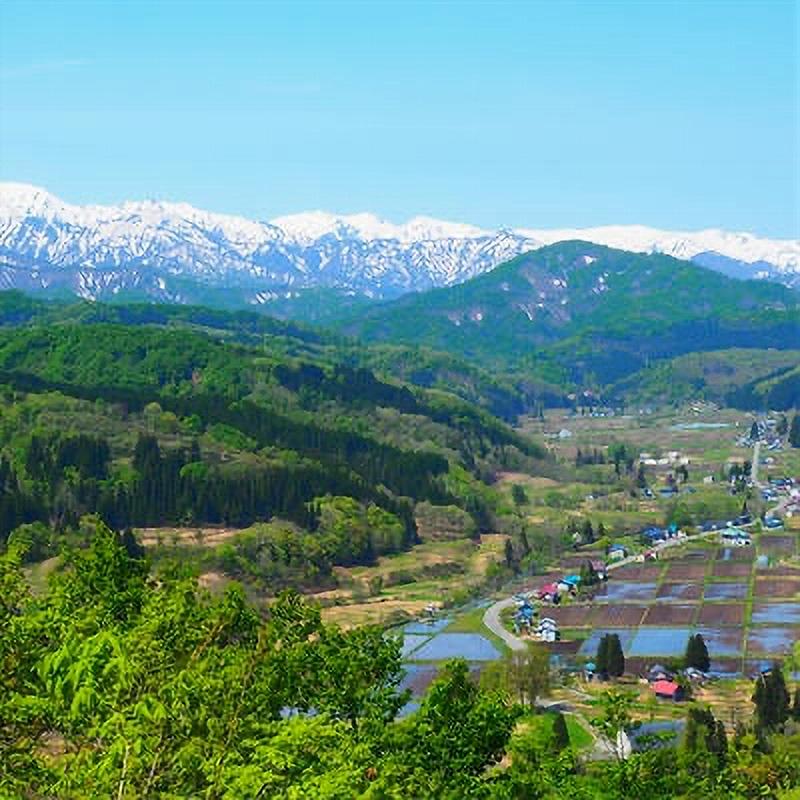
(174, 252)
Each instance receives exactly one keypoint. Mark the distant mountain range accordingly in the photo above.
(176, 253)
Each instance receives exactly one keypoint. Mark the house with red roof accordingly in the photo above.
(548, 592)
(668, 690)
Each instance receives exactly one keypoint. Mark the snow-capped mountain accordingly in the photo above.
(172, 251)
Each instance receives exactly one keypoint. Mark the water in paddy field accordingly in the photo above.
(726, 591)
(699, 426)
(471, 646)
(771, 640)
(723, 641)
(426, 628)
(589, 647)
(627, 591)
(650, 735)
(411, 641)
(654, 641)
(776, 613)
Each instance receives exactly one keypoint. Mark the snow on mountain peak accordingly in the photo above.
(311, 226)
(45, 239)
(22, 199)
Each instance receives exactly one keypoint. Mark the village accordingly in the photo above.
(714, 556)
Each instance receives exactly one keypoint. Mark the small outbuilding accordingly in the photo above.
(668, 690)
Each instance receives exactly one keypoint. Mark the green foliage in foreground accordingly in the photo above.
(116, 683)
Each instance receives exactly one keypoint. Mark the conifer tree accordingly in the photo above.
(697, 653)
(771, 698)
(794, 431)
(616, 658)
(560, 738)
(601, 659)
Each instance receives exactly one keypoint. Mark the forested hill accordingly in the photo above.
(151, 426)
(581, 313)
(504, 396)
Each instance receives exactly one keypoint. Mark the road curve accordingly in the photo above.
(491, 619)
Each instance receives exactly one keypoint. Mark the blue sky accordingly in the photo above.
(540, 114)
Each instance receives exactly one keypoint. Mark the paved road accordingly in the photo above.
(754, 467)
(491, 619)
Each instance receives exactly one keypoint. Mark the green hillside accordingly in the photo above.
(714, 375)
(151, 426)
(580, 313)
(503, 396)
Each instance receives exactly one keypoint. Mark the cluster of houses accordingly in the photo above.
(654, 535)
(736, 537)
(545, 630)
(673, 458)
(568, 585)
(664, 685)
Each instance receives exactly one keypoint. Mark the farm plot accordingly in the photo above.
(412, 641)
(659, 641)
(589, 647)
(670, 614)
(680, 591)
(723, 641)
(616, 592)
(778, 545)
(470, 646)
(571, 616)
(736, 554)
(732, 569)
(646, 573)
(777, 587)
(771, 640)
(683, 571)
(721, 614)
(785, 570)
(621, 616)
(776, 613)
(726, 591)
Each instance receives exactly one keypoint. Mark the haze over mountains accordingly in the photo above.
(174, 252)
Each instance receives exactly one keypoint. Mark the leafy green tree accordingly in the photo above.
(353, 675)
(522, 674)
(705, 734)
(615, 717)
(464, 730)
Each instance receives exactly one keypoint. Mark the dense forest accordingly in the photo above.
(153, 425)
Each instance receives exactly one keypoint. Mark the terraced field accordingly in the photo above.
(747, 611)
